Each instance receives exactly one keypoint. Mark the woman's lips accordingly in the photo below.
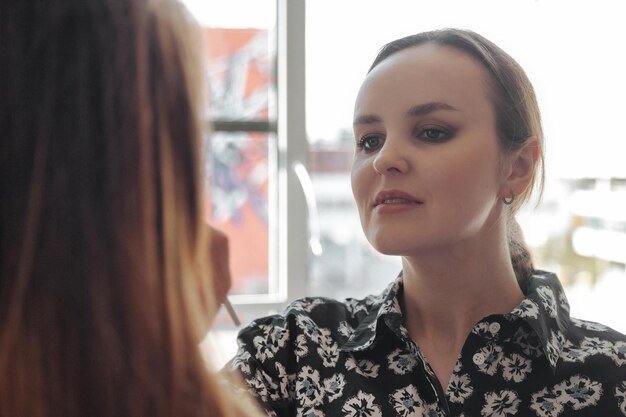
(395, 197)
(394, 201)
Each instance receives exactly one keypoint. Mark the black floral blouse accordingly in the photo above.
(322, 358)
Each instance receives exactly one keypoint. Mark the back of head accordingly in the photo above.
(102, 244)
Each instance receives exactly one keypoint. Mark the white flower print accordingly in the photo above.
(266, 329)
(406, 402)
(301, 348)
(400, 363)
(265, 348)
(373, 299)
(515, 367)
(579, 391)
(527, 309)
(355, 306)
(595, 346)
(547, 297)
(571, 353)
(273, 339)
(459, 388)
(263, 386)
(546, 403)
(311, 330)
(500, 404)
(363, 367)
(308, 387)
(493, 356)
(396, 306)
(306, 304)
(361, 405)
(286, 381)
(528, 343)
(405, 335)
(482, 329)
(432, 410)
(389, 307)
(620, 394)
(280, 336)
(589, 325)
(554, 346)
(242, 360)
(619, 353)
(333, 386)
(345, 329)
(309, 412)
(329, 354)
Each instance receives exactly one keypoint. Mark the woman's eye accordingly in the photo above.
(433, 134)
(370, 143)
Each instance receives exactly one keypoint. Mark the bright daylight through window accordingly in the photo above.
(572, 52)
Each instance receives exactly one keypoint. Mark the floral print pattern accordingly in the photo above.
(326, 358)
(361, 405)
(401, 363)
(500, 404)
(620, 395)
(460, 388)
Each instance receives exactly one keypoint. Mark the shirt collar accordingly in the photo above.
(385, 305)
(544, 308)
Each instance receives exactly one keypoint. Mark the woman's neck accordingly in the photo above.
(445, 295)
(458, 297)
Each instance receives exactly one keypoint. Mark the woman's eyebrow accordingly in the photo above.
(366, 119)
(426, 108)
(418, 110)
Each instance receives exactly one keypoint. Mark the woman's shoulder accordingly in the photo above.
(595, 329)
(321, 315)
(594, 349)
(307, 313)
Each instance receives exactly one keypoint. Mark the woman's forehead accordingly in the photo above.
(426, 73)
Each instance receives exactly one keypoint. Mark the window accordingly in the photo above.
(256, 165)
(572, 53)
(307, 228)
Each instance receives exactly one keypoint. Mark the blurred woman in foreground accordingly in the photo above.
(106, 286)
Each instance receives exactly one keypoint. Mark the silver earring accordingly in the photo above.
(509, 200)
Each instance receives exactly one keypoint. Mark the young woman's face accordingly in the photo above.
(427, 168)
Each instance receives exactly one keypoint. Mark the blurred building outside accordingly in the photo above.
(577, 231)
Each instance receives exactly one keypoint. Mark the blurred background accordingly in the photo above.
(283, 75)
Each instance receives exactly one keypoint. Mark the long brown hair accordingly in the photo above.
(104, 290)
(516, 108)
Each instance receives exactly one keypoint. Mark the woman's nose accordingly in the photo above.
(390, 159)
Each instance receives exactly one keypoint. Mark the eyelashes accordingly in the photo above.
(427, 134)
(370, 143)
(434, 134)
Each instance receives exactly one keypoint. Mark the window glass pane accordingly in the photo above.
(573, 54)
(240, 179)
(241, 73)
(240, 51)
(240, 48)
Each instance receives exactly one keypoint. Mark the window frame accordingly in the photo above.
(287, 207)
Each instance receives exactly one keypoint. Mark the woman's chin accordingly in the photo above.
(391, 247)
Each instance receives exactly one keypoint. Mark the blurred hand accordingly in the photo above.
(218, 263)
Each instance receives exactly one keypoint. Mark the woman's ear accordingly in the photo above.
(520, 168)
